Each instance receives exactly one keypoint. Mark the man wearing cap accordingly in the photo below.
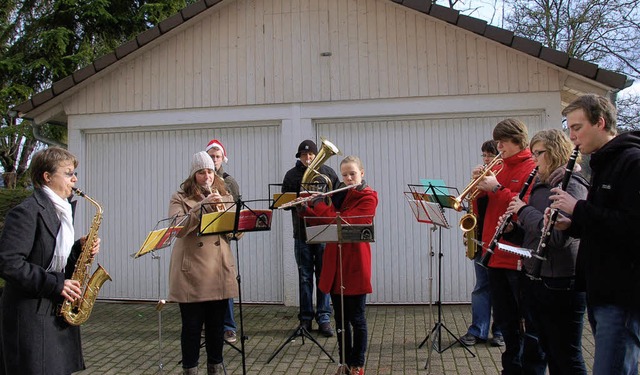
(218, 154)
(309, 256)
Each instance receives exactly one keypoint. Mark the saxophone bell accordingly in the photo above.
(77, 312)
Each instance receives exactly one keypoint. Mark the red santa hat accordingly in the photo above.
(214, 143)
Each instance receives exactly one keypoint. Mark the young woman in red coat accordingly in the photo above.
(346, 272)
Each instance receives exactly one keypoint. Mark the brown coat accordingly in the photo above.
(202, 267)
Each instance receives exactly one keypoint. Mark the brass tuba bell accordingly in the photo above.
(312, 176)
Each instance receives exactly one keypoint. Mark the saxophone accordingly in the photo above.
(78, 311)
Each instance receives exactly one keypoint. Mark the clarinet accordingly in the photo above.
(540, 254)
(486, 257)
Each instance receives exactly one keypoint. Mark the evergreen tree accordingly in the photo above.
(42, 41)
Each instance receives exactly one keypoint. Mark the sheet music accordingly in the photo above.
(428, 212)
(525, 253)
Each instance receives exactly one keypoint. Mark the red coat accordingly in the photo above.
(356, 257)
(513, 176)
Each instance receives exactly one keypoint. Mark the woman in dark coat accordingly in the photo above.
(555, 307)
(37, 258)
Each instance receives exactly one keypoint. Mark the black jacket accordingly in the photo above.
(34, 338)
(563, 249)
(609, 255)
(291, 183)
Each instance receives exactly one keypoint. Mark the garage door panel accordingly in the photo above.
(399, 151)
(152, 165)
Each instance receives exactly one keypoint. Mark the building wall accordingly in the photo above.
(132, 162)
(251, 52)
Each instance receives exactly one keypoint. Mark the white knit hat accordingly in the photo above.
(201, 160)
(214, 143)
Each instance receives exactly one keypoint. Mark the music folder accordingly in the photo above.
(249, 220)
(162, 235)
(280, 198)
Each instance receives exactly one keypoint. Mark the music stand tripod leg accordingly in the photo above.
(302, 332)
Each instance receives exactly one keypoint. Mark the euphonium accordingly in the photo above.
(77, 312)
(471, 191)
(312, 175)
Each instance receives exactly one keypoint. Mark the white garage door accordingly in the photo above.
(400, 151)
(133, 174)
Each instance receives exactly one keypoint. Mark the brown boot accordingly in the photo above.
(190, 371)
(215, 369)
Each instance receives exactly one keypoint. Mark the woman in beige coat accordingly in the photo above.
(202, 274)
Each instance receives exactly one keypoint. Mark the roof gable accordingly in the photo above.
(450, 16)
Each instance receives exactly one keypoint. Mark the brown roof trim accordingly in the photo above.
(528, 46)
(475, 25)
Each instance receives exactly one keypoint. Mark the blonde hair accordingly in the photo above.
(352, 159)
(558, 149)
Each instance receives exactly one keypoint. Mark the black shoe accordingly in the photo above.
(497, 341)
(306, 324)
(326, 330)
(470, 340)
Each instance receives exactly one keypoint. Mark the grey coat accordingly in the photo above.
(561, 258)
(34, 339)
(202, 267)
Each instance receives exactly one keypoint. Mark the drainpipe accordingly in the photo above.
(37, 133)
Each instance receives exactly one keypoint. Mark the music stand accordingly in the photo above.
(279, 198)
(427, 203)
(233, 221)
(340, 230)
(161, 236)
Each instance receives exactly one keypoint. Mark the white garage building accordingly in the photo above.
(412, 89)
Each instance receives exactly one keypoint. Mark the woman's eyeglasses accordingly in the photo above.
(70, 174)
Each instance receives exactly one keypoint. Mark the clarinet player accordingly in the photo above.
(554, 306)
(606, 222)
(504, 268)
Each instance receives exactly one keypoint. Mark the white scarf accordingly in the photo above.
(64, 238)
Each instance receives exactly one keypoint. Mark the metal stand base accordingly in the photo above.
(302, 332)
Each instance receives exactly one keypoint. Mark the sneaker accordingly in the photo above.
(306, 324)
(497, 341)
(470, 340)
(357, 371)
(326, 330)
(230, 336)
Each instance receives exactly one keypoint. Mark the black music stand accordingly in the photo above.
(340, 230)
(234, 220)
(161, 236)
(427, 204)
(300, 331)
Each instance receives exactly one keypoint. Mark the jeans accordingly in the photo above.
(194, 315)
(309, 260)
(522, 354)
(355, 328)
(229, 319)
(557, 312)
(481, 304)
(616, 331)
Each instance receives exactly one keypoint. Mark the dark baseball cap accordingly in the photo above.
(307, 146)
